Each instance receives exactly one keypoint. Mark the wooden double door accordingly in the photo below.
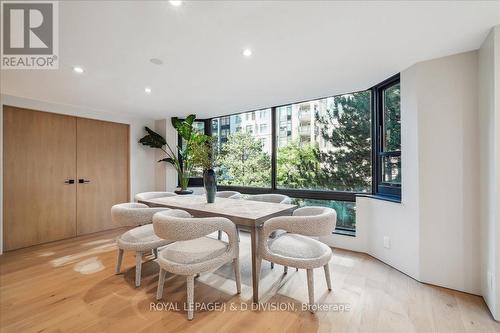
(61, 175)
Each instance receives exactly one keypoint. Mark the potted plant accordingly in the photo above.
(202, 157)
(182, 161)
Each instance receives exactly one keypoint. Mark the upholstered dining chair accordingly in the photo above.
(140, 239)
(228, 194)
(193, 252)
(296, 248)
(152, 195)
(272, 197)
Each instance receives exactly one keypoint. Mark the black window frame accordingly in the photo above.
(381, 188)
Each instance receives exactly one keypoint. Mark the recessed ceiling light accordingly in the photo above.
(247, 52)
(147, 90)
(78, 69)
(156, 61)
(175, 3)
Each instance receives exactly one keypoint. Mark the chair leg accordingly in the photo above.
(119, 261)
(327, 276)
(272, 265)
(155, 253)
(310, 287)
(138, 266)
(161, 282)
(236, 266)
(190, 296)
(285, 269)
(219, 235)
(258, 264)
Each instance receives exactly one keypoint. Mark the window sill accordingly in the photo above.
(344, 232)
(380, 197)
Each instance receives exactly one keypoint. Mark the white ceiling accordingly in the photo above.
(301, 50)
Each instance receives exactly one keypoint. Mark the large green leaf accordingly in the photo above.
(184, 127)
(152, 139)
(190, 119)
(176, 122)
(168, 160)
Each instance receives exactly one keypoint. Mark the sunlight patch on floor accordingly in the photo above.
(73, 258)
(46, 254)
(97, 242)
(89, 266)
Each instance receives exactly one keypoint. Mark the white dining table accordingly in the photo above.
(246, 213)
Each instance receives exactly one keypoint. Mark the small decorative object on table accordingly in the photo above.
(210, 183)
(201, 157)
(183, 160)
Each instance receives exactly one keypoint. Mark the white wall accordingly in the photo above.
(448, 160)
(489, 122)
(142, 163)
(434, 231)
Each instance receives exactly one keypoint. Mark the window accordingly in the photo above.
(387, 146)
(330, 151)
(346, 211)
(263, 128)
(320, 152)
(243, 158)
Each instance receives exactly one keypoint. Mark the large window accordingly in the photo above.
(320, 152)
(243, 148)
(387, 147)
(346, 211)
(325, 144)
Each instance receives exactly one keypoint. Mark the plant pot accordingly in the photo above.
(210, 184)
(182, 192)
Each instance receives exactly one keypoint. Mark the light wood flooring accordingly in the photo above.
(70, 286)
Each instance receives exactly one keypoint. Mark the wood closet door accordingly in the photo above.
(39, 156)
(102, 162)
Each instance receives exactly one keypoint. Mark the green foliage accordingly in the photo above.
(153, 139)
(298, 166)
(182, 160)
(201, 154)
(346, 128)
(242, 161)
(392, 118)
(346, 213)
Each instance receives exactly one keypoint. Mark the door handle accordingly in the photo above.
(83, 181)
(69, 181)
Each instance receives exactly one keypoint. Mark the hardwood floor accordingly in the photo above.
(70, 286)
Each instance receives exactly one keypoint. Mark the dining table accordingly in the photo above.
(242, 212)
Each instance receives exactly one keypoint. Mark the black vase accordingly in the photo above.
(210, 183)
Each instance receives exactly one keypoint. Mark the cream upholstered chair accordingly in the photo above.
(228, 194)
(152, 195)
(295, 248)
(194, 253)
(141, 239)
(271, 197)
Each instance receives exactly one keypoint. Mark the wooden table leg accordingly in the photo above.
(255, 265)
